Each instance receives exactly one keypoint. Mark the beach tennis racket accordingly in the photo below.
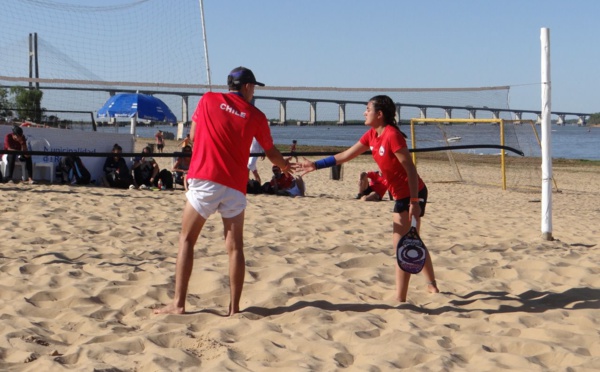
(411, 252)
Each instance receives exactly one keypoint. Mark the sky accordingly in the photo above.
(413, 44)
(375, 44)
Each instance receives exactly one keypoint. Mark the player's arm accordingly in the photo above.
(192, 131)
(276, 158)
(403, 156)
(340, 158)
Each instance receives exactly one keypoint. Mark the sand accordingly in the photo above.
(82, 268)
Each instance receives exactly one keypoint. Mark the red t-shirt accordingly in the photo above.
(384, 148)
(11, 143)
(377, 183)
(225, 126)
(284, 182)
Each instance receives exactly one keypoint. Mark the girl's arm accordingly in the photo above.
(403, 156)
(340, 158)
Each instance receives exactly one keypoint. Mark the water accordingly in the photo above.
(568, 142)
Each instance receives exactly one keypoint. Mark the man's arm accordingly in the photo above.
(276, 158)
(193, 131)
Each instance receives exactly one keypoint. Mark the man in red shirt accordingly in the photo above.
(16, 141)
(223, 126)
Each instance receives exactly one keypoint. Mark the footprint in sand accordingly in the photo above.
(344, 360)
(368, 334)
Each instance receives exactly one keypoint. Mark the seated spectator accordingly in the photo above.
(116, 172)
(73, 171)
(16, 141)
(146, 172)
(371, 186)
(181, 167)
(284, 184)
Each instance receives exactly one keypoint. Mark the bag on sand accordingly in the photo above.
(74, 171)
(253, 187)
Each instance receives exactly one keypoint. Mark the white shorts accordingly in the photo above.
(207, 197)
(252, 164)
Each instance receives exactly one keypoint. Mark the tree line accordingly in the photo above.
(594, 118)
(21, 102)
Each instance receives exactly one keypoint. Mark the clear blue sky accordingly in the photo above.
(412, 44)
(352, 43)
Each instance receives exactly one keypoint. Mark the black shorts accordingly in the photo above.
(402, 205)
(160, 146)
(368, 191)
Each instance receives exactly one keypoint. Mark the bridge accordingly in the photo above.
(517, 114)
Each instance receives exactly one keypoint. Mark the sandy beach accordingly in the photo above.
(82, 269)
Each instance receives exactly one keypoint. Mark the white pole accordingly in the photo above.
(205, 45)
(546, 138)
(133, 123)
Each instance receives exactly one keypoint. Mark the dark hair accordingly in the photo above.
(147, 149)
(17, 130)
(187, 147)
(387, 106)
(235, 87)
(232, 85)
(116, 147)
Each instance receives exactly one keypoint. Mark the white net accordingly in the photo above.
(98, 45)
(89, 50)
(155, 41)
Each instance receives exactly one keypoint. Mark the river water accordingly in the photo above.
(568, 141)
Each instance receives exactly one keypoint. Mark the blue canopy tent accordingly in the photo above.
(136, 106)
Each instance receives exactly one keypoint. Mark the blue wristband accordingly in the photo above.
(325, 163)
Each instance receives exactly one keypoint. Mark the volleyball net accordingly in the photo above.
(80, 54)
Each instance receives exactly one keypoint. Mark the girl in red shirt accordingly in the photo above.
(390, 152)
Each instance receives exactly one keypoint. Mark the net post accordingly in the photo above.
(546, 215)
(502, 155)
(413, 141)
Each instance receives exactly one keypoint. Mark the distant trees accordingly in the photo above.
(5, 104)
(28, 103)
(594, 118)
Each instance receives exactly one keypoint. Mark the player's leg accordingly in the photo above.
(373, 196)
(191, 226)
(234, 243)
(363, 184)
(256, 176)
(401, 227)
(428, 270)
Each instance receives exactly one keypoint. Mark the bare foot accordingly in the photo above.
(233, 311)
(400, 299)
(432, 287)
(170, 309)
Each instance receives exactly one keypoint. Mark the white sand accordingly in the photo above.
(81, 269)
